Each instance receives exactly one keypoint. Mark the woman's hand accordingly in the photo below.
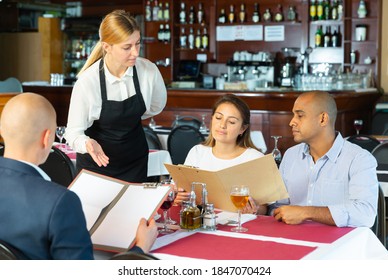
(182, 195)
(250, 207)
(95, 151)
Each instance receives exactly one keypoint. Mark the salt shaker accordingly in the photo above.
(209, 217)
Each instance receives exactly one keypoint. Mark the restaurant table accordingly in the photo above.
(256, 136)
(156, 160)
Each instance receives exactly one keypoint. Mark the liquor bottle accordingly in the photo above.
(198, 39)
(183, 39)
(340, 9)
(231, 14)
(160, 11)
(353, 57)
(279, 13)
(182, 13)
(161, 33)
(334, 10)
(200, 14)
(155, 10)
(148, 11)
(191, 15)
(326, 10)
(291, 14)
(205, 39)
(191, 38)
(335, 38)
(222, 17)
(327, 37)
(319, 37)
(361, 11)
(267, 15)
(313, 10)
(167, 33)
(320, 10)
(256, 13)
(242, 13)
(166, 12)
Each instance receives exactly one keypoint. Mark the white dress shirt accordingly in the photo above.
(85, 103)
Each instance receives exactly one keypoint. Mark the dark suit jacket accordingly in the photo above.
(40, 218)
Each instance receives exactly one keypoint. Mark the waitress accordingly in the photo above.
(114, 91)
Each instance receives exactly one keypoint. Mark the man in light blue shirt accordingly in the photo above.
(329, 179)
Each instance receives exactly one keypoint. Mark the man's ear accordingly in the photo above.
(46, 138)
(324, 119)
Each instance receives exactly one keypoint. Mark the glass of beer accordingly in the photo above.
(239, 196)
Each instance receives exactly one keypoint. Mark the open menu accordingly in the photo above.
(113, 208)
(261, 175)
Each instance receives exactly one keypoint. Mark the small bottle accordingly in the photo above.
(205, 39)
(183, 223)
(291, 14)
(361, 11)
(200, 14)
(267, 15)
(256, 13)
(191, 216)
(313, 10)
(167, 33)
(166, 12)
(320, 10)
(198, 39)
(209, 217)
(155, 10)
(183, 39)
(319, 37)
(191, 38)
(327, 37)
(353, 57)
(182, 13)
(334, 10)
(148, 11)
(161, 33)
(222, 17)
(340, 9)
(334, 39)
(242, 13)
(326, 10)
(160, 11)
(279, 14)
(231, 14)
(191, 15)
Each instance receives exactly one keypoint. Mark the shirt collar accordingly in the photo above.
(334, 151)
(112, 79)
(37, 168)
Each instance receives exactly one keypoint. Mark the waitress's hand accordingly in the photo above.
(95, 151)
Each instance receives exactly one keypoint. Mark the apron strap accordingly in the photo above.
(102, 81)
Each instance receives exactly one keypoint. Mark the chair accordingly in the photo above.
(380, 123)
(11, 85)
(152, 139)
(181, 140)
(133, 256)
(380, 152)
(364, 141)
(379, 227)
(59, 167)
(187, 120)
(8, 252)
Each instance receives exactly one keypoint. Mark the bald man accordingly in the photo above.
(40, 218)
(329, 179)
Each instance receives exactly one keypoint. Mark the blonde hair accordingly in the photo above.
(115, 27)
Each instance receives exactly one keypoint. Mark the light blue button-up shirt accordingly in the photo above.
(344, 180)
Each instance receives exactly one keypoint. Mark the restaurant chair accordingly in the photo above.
(133, 256)
(380, 123)
(380, 152)
(1, 149)
(364, 141)
(152, 139)
(11, 85)
(8, 252)
(181, 140)
(187, 120)
(59, 167)
(379, 227)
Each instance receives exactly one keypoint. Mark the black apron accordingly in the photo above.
(120, 133)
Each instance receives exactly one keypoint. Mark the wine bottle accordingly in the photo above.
(242, 13)
(148, 11)
(313, 10)
(182, 13)
(320, 10)
(200, 14)
(191, 15)
(327, 37)
(205, 39)
(319, 36)
(231, 14)
(222, 17)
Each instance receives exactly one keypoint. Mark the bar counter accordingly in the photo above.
(270, 109)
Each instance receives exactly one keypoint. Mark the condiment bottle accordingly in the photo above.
(191, 216)
(209, 217)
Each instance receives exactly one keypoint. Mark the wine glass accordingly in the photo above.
(358, 125)
(152, 123)
(176, 122)
(165, 206)
(60, 133)
(277, 155)
(174, 187)
(203, 127)
(239, 196)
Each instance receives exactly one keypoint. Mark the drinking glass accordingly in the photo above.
(358, 125)
(277, 155)
(152, 123)
(176, 122)
(174, 187)
(239, 196)
(165, 206)
(60, 133)
(203, 127)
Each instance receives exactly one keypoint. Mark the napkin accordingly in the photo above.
(231, 218)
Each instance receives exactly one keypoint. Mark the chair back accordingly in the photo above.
(59, 167)
(181, 140)
(187, 120)
(8, 252)
(133, 256)
(11, 85)
(380, 152)
(364, 141)
(152, 139)
(379, 227)
(380, 123)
